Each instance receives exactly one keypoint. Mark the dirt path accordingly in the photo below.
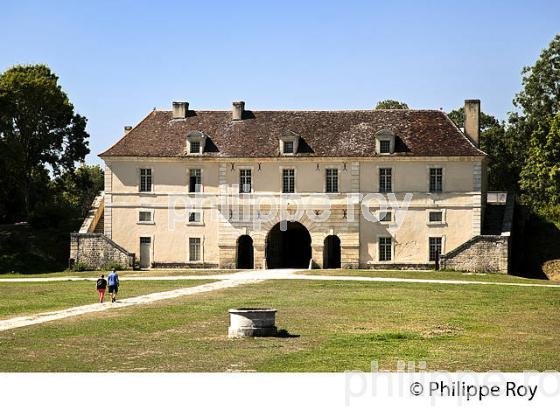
(35, 319)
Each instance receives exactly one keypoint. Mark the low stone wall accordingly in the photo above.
(96, 250)
(483, 253)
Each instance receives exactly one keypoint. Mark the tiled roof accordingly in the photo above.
(322, 133)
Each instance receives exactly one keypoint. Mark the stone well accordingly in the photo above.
(252, 322)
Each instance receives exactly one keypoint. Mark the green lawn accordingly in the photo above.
(25, 298)
(404, 274)
(339, 326)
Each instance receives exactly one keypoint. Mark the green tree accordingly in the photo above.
(494, 140)
(39, 131)
(540, 176)
(537, 104)
(80, 187)
(391, 105)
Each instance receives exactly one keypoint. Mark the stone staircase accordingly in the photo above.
(91, 247)
(490, 251)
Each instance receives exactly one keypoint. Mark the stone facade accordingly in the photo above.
(96, 250)
(483, 253)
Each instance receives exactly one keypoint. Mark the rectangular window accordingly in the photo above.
(436, 179)
(435, 216)
(144, 216)
(288, 147)
(145, 240)
(384, 147)
(195, 250)
(245, 181)
(288, 181)
(195, 217)
(195, 180)
(385, 180)
(435, 248)
(195, 147)
(332, 180)
(385, 249)
(386, 217)
(145, 180)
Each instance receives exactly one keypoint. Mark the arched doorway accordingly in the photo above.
(331, 252)
(290, 248)
(244, 252)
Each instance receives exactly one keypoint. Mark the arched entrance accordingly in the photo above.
(244, 252)
(331, 252)
(290, 248)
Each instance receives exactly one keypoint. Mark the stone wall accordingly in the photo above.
(96, 250)
(483, 253)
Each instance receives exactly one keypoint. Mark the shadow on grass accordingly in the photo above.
(284, 334)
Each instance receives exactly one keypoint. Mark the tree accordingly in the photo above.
(495, 141)
(540, 177)
(391, 105)
(39, 131)
(537, 104)
(79, 188)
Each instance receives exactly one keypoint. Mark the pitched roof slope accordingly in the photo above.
(323, 134)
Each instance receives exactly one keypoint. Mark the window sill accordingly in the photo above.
(145, 223)
(195, 223)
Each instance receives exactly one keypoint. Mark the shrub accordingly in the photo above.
(81, 267)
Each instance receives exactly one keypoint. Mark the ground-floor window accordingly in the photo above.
(195, 249)
(435, 248)
(385, 249)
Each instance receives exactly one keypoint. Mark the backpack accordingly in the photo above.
(101, 283)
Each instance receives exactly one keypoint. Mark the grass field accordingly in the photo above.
(25, 298)
(442, 275)
(335, 325)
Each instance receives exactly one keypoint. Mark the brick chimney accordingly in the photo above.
(237, 110)
(472, 120)
(180, 109)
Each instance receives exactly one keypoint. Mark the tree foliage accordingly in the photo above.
(540, 177)
(391, 105)
(39, 134)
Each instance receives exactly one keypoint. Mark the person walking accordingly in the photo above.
(113, 279)
(101, 287)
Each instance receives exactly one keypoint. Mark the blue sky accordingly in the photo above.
(119, 59)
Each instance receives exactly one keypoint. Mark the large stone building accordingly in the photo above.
(242, 188)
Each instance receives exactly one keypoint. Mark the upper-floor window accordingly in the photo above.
(145, 180)
(195, 180)
(385, 249)
(145, 217)
(332, 180)
(245, 181)
(195, 142)
(386, 216)
(384, 147)
(436, 180)
(195, 147)
(288, 147)
(435, 216)
(288, 181)
(195, 217)
(384, 141)
(385, 180)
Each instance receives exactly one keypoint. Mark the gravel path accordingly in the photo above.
(134, 301)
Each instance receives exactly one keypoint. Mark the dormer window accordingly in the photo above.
(288, 147)
(384, 147)
(195, 147)
(195, 142)
(385, 142)
(289, 143)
